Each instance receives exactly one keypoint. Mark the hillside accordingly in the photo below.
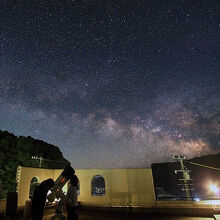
(16, 151)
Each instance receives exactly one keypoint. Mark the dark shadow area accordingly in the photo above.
(166, 181)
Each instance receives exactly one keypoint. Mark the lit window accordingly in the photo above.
(35, 182)
(98, 186)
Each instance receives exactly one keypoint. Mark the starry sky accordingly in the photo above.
(113, 84)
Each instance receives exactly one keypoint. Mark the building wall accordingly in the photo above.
(24, 176)
(123, 187)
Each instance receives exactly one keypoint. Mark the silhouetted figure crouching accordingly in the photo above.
(39, 199)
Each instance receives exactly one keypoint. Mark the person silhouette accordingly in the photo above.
(71, 198)
(39, 199)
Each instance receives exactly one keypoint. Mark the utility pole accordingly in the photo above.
(38, 158)
(187, 187)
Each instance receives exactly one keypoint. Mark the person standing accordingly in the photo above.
(71, 198)
(39, 199)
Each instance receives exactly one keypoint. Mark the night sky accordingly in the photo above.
(113, 84)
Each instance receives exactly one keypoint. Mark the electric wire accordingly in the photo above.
(201, 165)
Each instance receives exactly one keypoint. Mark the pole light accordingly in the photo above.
(214, 188)
(186, 186)
(38, 158)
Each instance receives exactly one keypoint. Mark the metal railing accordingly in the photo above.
(198, 197)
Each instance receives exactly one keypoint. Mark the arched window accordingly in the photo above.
(98, 186)
(35, 181)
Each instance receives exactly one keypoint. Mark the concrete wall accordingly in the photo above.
(123, 187)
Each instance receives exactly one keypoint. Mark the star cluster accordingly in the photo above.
(113, 84)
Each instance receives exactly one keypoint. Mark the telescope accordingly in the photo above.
(57, 192)
(64, 176)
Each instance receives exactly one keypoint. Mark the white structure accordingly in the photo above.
(122, 187)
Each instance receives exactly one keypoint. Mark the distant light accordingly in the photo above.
(213, 188)
(197, 199)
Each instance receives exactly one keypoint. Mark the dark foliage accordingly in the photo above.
(16, 151)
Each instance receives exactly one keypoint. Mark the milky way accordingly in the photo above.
(112, 83)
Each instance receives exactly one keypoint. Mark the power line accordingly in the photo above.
(201, 165)
(61, 161)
